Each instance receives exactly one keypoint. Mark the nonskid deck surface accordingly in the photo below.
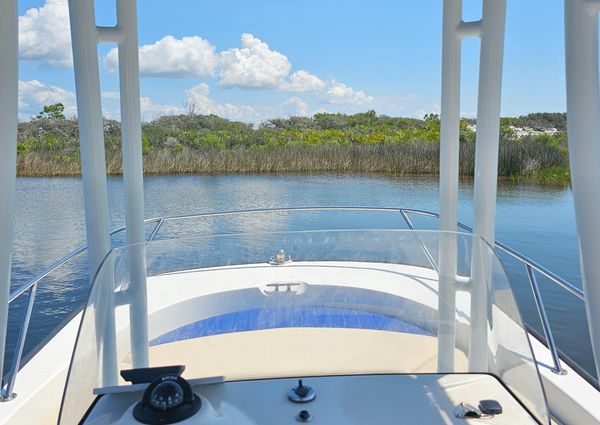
(274, 335)
(360, 400)
(301, 351)
(276, 342)
(287, 317)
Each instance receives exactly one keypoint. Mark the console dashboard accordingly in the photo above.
(359, 399)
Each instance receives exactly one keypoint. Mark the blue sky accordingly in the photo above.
(252, 60)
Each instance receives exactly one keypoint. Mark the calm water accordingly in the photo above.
(537, 221)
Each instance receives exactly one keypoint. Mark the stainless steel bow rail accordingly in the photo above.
(531, 267)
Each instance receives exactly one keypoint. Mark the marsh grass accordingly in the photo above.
(556, 176)
(525, 158)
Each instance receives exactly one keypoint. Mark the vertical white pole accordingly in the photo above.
(93, 161)
(133, 174)
(9, 83)
(91, 133)
(449, 155)
(105, 320)
(583, 120)
(486, 173)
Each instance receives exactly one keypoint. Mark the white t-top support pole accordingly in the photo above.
(9, 83)
(449, 155)
(133, 174)
(491, 31)
(486, 174)
(93, 162)
(583, 121)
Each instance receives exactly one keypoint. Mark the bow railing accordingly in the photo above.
(532, 269)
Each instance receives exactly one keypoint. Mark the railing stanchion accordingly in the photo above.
(18, 354)
(539, 304)
(421, 243)
(155, 230)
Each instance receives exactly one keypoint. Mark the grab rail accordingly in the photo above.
(530, 266)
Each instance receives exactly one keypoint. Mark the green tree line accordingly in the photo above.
(53, 136)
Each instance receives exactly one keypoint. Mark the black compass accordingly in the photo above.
(167, 400)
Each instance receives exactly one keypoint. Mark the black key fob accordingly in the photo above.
(490, 407)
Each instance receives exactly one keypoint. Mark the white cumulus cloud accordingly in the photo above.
(151, 110)
(254, 65)
(44, 34)
(303, 81)
(34, 95)
(188, 57)
(198, 98)
(295, 106)
(343, 95)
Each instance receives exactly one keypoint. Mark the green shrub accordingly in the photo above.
(146, 145)
(363, 142)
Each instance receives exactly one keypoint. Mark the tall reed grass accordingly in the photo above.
(515, 158)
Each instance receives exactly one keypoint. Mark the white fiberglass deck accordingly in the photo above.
(352, 400)
(242, 355)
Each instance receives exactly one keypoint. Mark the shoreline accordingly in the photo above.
(517, 162)
(370, 160)
(525, 179)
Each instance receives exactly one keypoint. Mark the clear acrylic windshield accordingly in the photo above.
(300, 303)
